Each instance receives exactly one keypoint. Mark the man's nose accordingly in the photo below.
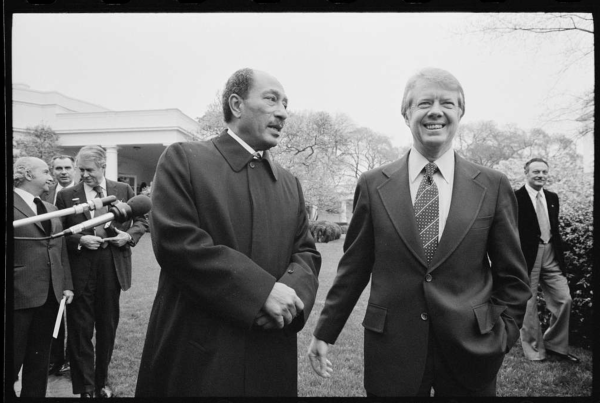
(281, 112)
(435, 110)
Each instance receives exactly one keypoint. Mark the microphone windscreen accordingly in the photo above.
(140, 205)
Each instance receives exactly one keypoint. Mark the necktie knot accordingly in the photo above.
(257, 156)
(99, 192)
(430, 170)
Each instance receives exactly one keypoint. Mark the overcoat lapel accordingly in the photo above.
(467, 198)
(395, 196)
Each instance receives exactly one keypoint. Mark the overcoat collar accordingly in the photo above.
(237, 157)
(467, 197)
(24, 208)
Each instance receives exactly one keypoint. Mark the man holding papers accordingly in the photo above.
(42, 277)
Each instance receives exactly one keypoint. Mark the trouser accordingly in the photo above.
(546, 272)
(58, 354)
(33, 329)
(98, 304)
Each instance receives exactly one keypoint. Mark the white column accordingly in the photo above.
(112, 163)
(343, 211)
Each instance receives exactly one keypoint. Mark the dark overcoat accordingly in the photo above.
(224, 229)
(472, 296)
(529, 227)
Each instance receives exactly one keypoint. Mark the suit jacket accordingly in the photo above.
(35, 262)
(472, 297)
(49, 195)
(136, 227)
(224, 229)
(529, 228)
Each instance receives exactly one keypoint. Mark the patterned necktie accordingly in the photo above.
(427, 211)
(100, 231)
(41, 209)
(542, 219)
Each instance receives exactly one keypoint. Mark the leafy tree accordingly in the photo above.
(211, 123)
(39, 141)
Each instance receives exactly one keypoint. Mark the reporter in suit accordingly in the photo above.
(541, 243)
(440, 245)
(62, 168)
(42, 276)
(101, 269)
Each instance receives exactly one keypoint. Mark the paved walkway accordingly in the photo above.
(58, 386)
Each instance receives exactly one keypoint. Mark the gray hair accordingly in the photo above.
(21, 167)
(93, 153)
(437, 76)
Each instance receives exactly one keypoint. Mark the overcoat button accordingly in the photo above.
(424, 316)
(428, 278)
(252, 165)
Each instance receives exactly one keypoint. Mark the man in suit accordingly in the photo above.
(542, 246)
(42, 276)
(62, 172)
(101, 262)
(238, 264)
(437, 237)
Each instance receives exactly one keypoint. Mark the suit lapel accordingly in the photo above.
(79, 193)
(467, 197)
(395, 196)
(24, 208)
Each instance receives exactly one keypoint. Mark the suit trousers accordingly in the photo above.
(547, 274)
(97, 305)
(58, 354)
(33, 329)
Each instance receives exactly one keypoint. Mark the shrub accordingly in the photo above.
(576, 228)
(325, 231)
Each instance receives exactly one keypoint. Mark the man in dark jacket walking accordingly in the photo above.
(239, 267)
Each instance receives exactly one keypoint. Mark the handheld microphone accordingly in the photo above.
(121, 212)
(77, 209)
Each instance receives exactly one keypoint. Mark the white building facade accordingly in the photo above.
(134, 140)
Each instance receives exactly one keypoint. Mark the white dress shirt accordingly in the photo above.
(533, 195)
(60, 187)
(443, 178)
(90, 193)
(243, 143)
(28, 198)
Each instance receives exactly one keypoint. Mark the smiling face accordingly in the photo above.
(261, 116)
(433, 116)
(537, 175)
(91, 174)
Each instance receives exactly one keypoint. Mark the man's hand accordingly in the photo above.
(69, 294)
(317, 354)
(120, 239)
(280, 308)
(92, 242)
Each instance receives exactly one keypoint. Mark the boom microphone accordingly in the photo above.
(77, 209)
(121, 212)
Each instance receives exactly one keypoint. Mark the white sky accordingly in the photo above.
(356, 64)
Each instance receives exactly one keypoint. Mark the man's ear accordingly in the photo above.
(235, 104)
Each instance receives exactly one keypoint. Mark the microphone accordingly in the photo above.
(77, 209)
(121, 212)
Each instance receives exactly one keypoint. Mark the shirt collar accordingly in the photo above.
(243, 143)
(236, 155)
(90, 189)
(28, 198)
(416, 163)
(533, 193)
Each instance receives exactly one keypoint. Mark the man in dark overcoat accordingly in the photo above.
(41, 277)
(437, 238)
(239, 268)
(101, 261)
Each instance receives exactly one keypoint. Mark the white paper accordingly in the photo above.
(61, 309)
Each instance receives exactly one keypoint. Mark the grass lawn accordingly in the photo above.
(518, 377)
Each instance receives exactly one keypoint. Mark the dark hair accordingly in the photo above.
(62, 157)
(534, 160)
(239, 83)
(432, 75)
